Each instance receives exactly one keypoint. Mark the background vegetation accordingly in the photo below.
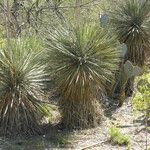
(70, 64)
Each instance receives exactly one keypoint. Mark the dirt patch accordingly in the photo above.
(54, 138)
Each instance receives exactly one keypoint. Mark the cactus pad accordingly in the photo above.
(137, 71)
(128, 69)
(131, 70)
(104, 19)
(123, 50)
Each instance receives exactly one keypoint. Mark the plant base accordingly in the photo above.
(77, 114)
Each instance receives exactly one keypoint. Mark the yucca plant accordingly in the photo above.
(131, 21)
(81, 60)
(21, 76)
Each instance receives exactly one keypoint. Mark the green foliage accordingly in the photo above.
(21, 77)
(141, 100)
(86, 55)
(117, 137)
(131, 22)
(128, 147)
(148, 129)
(2, 42)
(81, 60)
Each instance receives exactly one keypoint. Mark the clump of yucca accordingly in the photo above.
(21, 76)
(81, 60)
(131, 20)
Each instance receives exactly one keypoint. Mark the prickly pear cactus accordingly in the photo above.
(130, 70)
(123, 50)
(104, 19)
(137, 71)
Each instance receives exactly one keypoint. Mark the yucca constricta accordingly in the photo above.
(81, 60)
(131, 21)
(21, 75)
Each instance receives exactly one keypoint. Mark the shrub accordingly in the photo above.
(117, 137)
(81, 60)
(21, 76)
(141, 100)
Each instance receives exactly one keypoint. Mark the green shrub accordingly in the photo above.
(81, 60)
(141, 100)
(21, 77)
(117, 137)
(148, 129)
